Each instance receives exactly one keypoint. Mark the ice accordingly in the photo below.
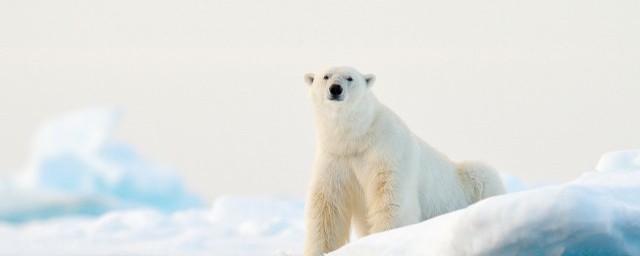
(79, 168)
(232, 226)
(597, 214)
(513, 183)
(619, 161)
(86, 193)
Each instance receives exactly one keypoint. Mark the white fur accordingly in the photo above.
(373, 172)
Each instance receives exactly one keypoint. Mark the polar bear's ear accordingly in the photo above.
(370, 79)
(308, 78)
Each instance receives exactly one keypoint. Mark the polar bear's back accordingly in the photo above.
(442, 190)
(426, 174)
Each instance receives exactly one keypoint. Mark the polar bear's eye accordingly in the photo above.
(349, 79)
(326, 77)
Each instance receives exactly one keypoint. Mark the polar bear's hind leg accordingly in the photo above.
(480, 180)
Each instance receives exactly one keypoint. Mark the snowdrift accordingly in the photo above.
(231, 226)
(78, 168)
(598, 214)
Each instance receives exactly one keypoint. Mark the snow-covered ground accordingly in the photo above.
(85, 193)
(597, 214)
(231, 226)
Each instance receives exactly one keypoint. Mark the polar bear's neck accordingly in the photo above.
(347, 131)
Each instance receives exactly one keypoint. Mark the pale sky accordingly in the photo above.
(215, 88)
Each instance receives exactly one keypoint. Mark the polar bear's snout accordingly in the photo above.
(335, 91)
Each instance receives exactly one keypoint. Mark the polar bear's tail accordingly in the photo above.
(480, 180)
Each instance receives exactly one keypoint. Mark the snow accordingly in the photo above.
(85, 193)
(599, 213)
(622, 161)
(231, 226)
(79, 168)
(514, 184)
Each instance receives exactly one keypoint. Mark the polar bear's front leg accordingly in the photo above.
(384, 206)
(328, 211)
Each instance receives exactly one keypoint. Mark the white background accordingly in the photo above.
(215, 88)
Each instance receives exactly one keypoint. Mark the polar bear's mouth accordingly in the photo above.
(335, 98)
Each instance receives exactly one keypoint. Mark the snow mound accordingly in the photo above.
(598, 214)
(232, 226)
(78, 168)
(625, 161)
(513, 183)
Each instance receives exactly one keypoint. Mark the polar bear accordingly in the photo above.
(372, 172)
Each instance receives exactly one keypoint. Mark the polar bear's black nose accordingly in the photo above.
(335, 90)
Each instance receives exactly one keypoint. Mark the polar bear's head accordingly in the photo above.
(338, 86)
